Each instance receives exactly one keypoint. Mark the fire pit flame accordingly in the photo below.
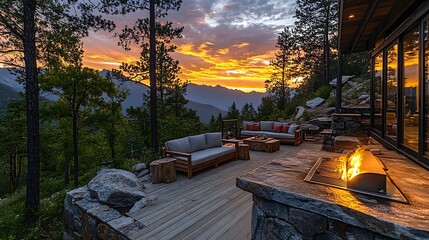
(350, 164)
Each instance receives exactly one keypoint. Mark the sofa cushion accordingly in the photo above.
(277, 128)
(280, 135)
(208, 154)
(257, 127)
(250, 127)
(266, 125)
(253, 133)
(197, 142)
(179, 145)
(285, 128)
(213, 139)
(292, 128)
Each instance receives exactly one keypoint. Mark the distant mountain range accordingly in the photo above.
(205, 100)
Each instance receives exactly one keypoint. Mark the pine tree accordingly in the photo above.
(164, 77)
(233, 112)
(21, 23)
(284, 68)
(316, 28)
(266, 108)
(248, 112)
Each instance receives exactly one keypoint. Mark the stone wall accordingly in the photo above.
(86, 218)
(345, 124)
(273, 220)
(348, 125)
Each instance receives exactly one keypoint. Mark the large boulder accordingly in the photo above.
(116, 188)
(314, 102)
(299, 111)
(344, 79)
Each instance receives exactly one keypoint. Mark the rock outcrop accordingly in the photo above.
(116, 188)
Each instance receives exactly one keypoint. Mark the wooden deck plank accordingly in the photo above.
(215, 216)
(207, 206)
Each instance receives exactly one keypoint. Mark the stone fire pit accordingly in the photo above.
(286, 207)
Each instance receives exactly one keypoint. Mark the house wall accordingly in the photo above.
(400, 87)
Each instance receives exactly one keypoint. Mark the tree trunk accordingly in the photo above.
(112, 141)
(327, 54)
(75, 150)
(32, 105)
(283, 86)
(66, 164)
(152, 74)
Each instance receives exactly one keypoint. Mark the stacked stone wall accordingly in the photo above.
(273, 220)
(86, 218)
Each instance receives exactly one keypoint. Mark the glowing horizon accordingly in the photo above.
(222, 43)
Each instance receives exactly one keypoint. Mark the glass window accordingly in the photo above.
(410, 105)
(426, 78)
(392, 92)
(378, 91)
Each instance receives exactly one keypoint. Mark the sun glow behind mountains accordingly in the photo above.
(221, 44)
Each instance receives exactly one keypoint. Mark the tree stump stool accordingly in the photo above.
(272, 145)
(243, 151)
(163, 170)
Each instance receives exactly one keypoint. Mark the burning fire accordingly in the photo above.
(350, 164)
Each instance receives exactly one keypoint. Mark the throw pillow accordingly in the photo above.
(277, 128)
(292, 128)
(257, 127)
(251, 126)
(285, 128)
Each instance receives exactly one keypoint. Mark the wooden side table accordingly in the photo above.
(243, 151)
(163, 170)
(272, 145)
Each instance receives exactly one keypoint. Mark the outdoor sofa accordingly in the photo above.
(284, 132)
(197, 152)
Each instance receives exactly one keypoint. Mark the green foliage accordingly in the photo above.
(324, 92)
(330, 102)
(248, 112)
(233, 112)
(45, 222)
(308, 115)
(284, 68)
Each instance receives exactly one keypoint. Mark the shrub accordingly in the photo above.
(331, 102)
(308, 115)
(324, 92)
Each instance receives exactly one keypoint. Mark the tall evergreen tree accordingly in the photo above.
(316, 28)
(21, 23)
(248, 112)
(150, 34)
(233, 112)
(266, 108)
(284, 68)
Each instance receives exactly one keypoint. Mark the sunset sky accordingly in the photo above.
(227, 43)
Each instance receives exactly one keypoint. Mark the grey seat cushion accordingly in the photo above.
(253, 133)
(179, 145)
(213, 139)
(267, 125)
(208, 154)
(278, 135)
(197, 142)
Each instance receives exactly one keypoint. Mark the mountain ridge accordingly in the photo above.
(204, 108)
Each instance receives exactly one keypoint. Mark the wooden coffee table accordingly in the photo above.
(263, 145)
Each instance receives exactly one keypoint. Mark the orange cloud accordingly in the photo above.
(235, 67)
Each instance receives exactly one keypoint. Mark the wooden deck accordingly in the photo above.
(208, 206)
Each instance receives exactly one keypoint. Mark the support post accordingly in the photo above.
(152, 72)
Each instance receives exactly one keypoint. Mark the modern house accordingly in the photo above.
(396, 33)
